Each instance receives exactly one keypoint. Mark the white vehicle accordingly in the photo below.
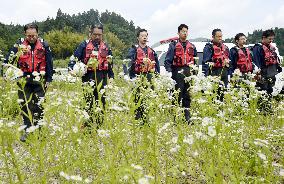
(161, 49)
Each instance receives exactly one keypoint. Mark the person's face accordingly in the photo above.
(268, 39)
(218, 37)
(97, 35)
(183, 33)
(31, 35)
(242, 41)
(143, 38)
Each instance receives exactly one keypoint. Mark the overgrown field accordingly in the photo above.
(229, 142)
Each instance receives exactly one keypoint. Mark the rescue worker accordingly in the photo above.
(268, 63)
(241, 57)
(97, 55)
(216, 60)
(143, 63)
(35, 61)
(179, 61)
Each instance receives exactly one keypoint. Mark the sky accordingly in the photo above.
(161, 17)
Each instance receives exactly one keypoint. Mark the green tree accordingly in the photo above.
(63, 43)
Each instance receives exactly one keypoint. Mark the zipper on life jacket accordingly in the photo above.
(32, 61)
(184, 52)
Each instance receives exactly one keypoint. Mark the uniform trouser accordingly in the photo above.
(223, 72)
(144, 82)
(266, 84)
(31, 96)
(178, 74)
(94, 79)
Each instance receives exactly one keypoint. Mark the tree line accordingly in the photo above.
(65, 32)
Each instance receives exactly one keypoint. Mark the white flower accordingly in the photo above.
(125, 177)
(143, 181)
(22, 128)
(12, 123)
(76, 178)
(92, 83)
(175, 149)
(207, 121)
(195, 154)
(201, 101)
(42, 73)
(281, 172)
(79, 69)
(103, 133)
(87, 180)
(37, 78)
(211, 131)
(32, 129)
(64, 175)
(138, 167)
(86, 115)
(74, 129)
(41, 122)
(260, 142)
(166, 125)
(188, 139)
(35, 73)
(262, 156)
(175, 139)
(20, 101)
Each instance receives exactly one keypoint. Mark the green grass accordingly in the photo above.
(228, 143)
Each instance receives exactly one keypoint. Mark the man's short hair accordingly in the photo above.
(99, 26)
(182, 26)
(30, 26)
(237, 37)
(140, 31)
(268, 33)
(215, 31)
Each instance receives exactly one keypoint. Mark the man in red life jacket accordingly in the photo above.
(96, 54)
(266, 59)
(216, 60)
(35, 61)
(179, 60)
(144, 64)
(241, 57)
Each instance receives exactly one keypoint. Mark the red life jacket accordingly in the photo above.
(34, 60)
(219, 55)
(101, 57)
(270, 55)
(140, 66)
(244, 63)
(183, 58)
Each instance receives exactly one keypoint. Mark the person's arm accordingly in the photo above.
(170, 57)
(157, 64)
(110, 66)
(207, 57)
(233, 61)
(49, 63)
(80, 51)
(131, 64)
(258, 56)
